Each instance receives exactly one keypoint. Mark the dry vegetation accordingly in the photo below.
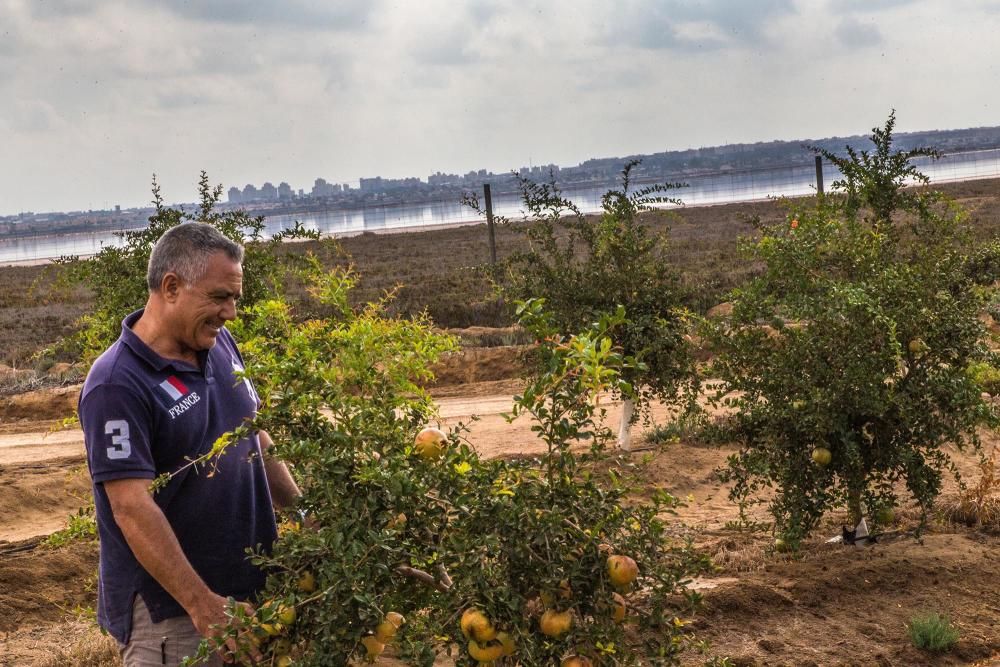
(440, 271)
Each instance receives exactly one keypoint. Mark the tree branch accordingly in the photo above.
(443, 576)
(423, 577)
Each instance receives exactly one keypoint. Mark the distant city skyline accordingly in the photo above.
(673, 165)
(759, 158)
(100, 95)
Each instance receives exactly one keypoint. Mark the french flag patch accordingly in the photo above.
(174, 388)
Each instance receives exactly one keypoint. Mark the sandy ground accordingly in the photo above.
(833, 605)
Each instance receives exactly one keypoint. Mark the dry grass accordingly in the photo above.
(491, 336)
(90, 648)
(441, 271)
(20, 381)
(978, 506)
(735, 555)
(43, 375)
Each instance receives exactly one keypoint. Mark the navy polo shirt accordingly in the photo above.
(142, 416)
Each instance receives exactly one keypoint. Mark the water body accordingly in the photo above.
(718, 188)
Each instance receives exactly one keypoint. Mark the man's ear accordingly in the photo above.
(170, 287)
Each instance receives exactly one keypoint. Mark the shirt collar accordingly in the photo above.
(144, 351)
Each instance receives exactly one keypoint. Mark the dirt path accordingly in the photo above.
(38, 446)
(43, 475)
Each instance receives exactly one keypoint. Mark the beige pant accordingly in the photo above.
(164, 643)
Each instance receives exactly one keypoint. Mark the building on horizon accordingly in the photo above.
(378, 184)
(323, 189)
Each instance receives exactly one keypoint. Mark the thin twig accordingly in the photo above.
(423, 577)
(443, 575)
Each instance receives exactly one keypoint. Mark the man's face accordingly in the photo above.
(202, 307)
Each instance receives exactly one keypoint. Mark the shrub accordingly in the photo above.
(117, 275)
(847, 359)
(585, 267)
(874, 183)
(432, 535)
(932, 632)
(978, 505)
(79, 526)
(986, 376)
(690, 426)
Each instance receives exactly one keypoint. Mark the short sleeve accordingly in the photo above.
(116, 430)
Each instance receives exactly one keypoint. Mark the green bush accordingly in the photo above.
(986, 375)
(79, 526)
(846, 359)
(432, 536)
(585, 267)
(932, 632)
(874, 183)
(688, 426)
(117, 275)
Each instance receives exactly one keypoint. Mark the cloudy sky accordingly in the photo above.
(97, 95)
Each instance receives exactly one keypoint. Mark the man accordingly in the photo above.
(158, 398)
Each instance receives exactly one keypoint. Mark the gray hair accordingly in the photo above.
(184, 250)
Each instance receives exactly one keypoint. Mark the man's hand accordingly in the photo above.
(214, 615)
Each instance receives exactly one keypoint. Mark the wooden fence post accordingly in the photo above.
(819, 175)
(489, 223)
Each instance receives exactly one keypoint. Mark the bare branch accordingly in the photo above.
(423, 577)
(443, 576)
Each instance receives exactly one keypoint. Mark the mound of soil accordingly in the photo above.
(482, 364)
(46, 404)
(38, 584)
(44, 598)
(37, 498)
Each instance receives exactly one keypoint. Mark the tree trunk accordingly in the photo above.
(854, 505)
(625, 428)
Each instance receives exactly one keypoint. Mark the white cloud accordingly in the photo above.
(853, 33)
(31, 117)
(101, 94)
(301, 14)
(686, 26)
(869, 5)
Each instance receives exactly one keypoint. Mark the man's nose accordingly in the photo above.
(229, 310)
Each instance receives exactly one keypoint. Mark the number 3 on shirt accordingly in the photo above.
(120, 447)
